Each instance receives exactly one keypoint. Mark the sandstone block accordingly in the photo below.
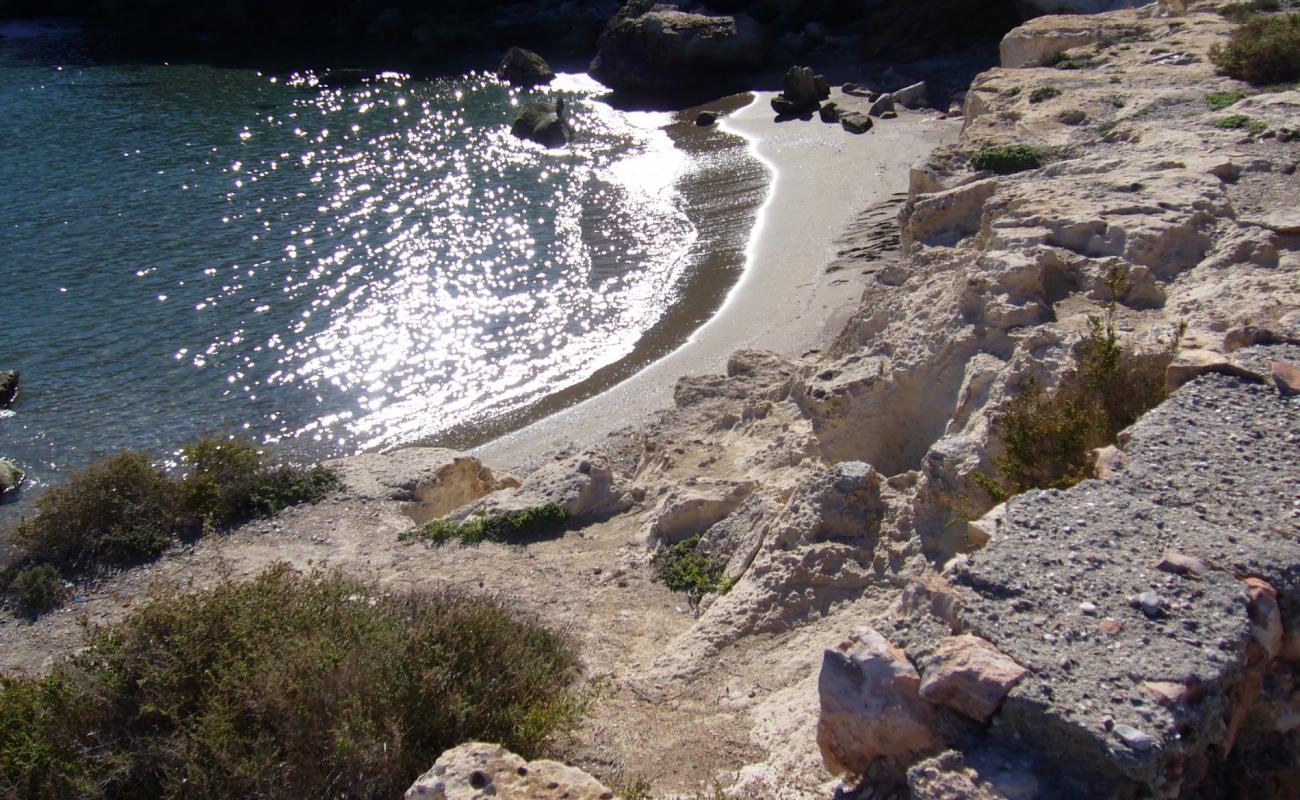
(970, 675)
(1191, 364)
(476, 771)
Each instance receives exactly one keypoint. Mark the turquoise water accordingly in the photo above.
(187, 249)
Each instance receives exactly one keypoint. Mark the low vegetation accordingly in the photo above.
(1049, 435)
(1240, 12)
(1234, 122)
(1221, 100)
(528, 524)
(1263, 50)
(289, 685)
(1007, 159)
(38, 589)
(1075, 61)
(125, 509)
(1044, 93)
(684, 567)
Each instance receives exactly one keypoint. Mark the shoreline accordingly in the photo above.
(786, 299)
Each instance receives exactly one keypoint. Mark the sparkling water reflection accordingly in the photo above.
(192, 250)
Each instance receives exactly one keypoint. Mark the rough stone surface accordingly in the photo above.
(648, 47)
(478, 771)
(870, 708)
(912, 96)
(970, 675)
(432, 480)
(881, 105)
(8, 387)
(586, 485)
(855, 122)
(522, 67)
(542, 122)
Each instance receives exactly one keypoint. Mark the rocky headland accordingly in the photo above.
(889, 627)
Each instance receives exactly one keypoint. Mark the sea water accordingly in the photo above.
(187, 250)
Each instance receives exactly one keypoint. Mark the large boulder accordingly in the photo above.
(476, 770)
(543, 123)
(651, 47)
(801, 91)
(8, 387)
(522, 67)
(871, 708)
(586, 485)
(10, 477)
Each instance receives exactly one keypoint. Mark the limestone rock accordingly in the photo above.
(8, 387)
(855, 122)
(870, 707)
(881, 105)
(1265, 615)
(1189, 364)
(478, 771)
(979, 532)
(690, 509)
(522, 67)
(1286, 377)
(434, 480)
(981, 775)
(1037, 42)
(586, 485)
(655, 48)
(970, 675)
(543, 123)
(913, 96)
(1035, 8)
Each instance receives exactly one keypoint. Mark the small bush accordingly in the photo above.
(1006, 159)
(525, 525)
(289, 685)
(1263, 50)
(1241, 122)
(38, 589)
(1044, 93)
(1067, 61)
(230, 481)
(682, 567)
(1240, 12)
(1049, 436)
(119, 509)
(124, 509)
(1221, 100)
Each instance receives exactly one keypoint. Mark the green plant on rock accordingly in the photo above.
(1234, 122)
(38, 588)
(684, 567)
(289, 685)
(527, 524)
(1071, 62)
(1007, 159)
(230, 481)
(1263, 50)
(1044, 93)
(1240, 12)
(1221, 100)
(1049, 435)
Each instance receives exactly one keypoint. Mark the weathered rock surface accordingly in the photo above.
(970, 675)
(8, 387)
(855, 122)
(522, 67)
(650, 47)
(542, 122)
(586, 485)
(802, 90)
(870, 706)
(433, 480)
(477, 771)
(912, 96)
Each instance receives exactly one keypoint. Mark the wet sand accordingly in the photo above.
(785, 300)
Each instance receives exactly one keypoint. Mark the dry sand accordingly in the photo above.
(786, 300)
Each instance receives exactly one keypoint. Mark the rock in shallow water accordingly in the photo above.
(543, 123)
(8, 387)
(522, 67)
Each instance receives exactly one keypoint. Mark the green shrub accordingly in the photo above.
(1043, 93)
(1067, 61)
(38, 589)
(1049, 436)
(1221, 100)
(124, 508)
(1240, 12)
(1006, 159)
(119, 509)
(1263, 50)
(289, 685)
(230, 481)
(526, 525)
(1241, 122)
(683, 567)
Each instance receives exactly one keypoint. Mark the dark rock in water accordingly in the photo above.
(8, 387)
(10, 477)
(543, 123)
(706, 118)
(522, 67)
(829, 112)
(652, 47)
(883, 104)
(855, 122)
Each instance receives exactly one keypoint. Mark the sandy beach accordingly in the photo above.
(785, 300)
